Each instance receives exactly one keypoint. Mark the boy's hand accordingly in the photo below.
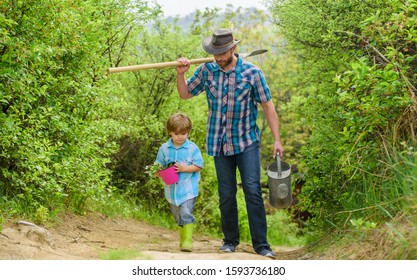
(180, 168)
(186, 168)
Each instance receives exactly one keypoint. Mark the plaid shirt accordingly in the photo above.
(187, 154)
(232, 99)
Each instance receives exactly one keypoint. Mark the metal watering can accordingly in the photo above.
(279, 184)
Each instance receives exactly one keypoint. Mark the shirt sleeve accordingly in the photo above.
(160, 157)
(197, 158)
(196, 82)
(261, 89)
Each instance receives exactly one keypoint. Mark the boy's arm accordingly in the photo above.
(196, 165)
(187, 168)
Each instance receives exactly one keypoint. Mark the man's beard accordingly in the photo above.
(225, 63)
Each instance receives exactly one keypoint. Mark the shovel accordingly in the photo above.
(174, 63)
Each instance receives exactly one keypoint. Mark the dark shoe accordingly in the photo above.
(228, 248)
(267, 253)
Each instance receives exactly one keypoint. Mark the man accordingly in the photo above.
(234, 87)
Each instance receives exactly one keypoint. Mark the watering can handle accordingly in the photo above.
(279, 166)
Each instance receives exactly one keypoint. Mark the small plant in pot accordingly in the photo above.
(156, 168)
(169, 174)
(152, 170)
(169, 165)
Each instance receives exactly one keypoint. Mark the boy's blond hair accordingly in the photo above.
(179, 122)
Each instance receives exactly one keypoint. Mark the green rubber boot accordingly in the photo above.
(186, 242)
(181, 231)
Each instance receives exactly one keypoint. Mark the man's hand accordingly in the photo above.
(185, 65)
(278, 148)
(181, 82)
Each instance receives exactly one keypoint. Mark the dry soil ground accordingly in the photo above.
(99, 237)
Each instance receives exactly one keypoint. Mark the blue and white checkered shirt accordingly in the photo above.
(232, 99)
(187, 186)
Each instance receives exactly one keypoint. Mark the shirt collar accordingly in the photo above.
(186, 144)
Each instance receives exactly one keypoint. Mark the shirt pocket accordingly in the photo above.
(168, 160)
(212, 88)
(242, 90)
(243, 97)
(185, 161)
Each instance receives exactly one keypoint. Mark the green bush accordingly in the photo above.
(56, 136)
(356, 79)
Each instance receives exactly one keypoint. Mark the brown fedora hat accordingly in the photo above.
(221, 41)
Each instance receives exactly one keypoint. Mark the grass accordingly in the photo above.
(395, 239)
(281, 232)
(381, 222)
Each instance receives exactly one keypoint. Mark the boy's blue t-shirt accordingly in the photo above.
(187, 186)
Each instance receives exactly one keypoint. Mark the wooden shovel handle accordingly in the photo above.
(174, 63)
(157, 65)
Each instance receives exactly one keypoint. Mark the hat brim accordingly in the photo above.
(208, 47)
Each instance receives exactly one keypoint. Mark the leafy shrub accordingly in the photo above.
(358, 95)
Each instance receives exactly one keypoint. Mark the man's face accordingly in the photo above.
(224, 59)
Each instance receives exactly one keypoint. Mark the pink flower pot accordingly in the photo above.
(169, 176)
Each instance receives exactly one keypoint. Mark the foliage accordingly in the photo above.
(282, 232)
(357, 65)
(152, 169)
(56, 130)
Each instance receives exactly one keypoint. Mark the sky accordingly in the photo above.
(185, 7)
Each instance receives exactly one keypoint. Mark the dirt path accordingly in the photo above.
(98, 237)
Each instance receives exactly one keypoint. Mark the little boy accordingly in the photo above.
(188, 162)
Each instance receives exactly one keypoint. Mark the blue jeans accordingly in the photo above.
(183, 214)
(249, 166)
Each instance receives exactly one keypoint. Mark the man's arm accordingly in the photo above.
(182, 86)
(272, 119)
